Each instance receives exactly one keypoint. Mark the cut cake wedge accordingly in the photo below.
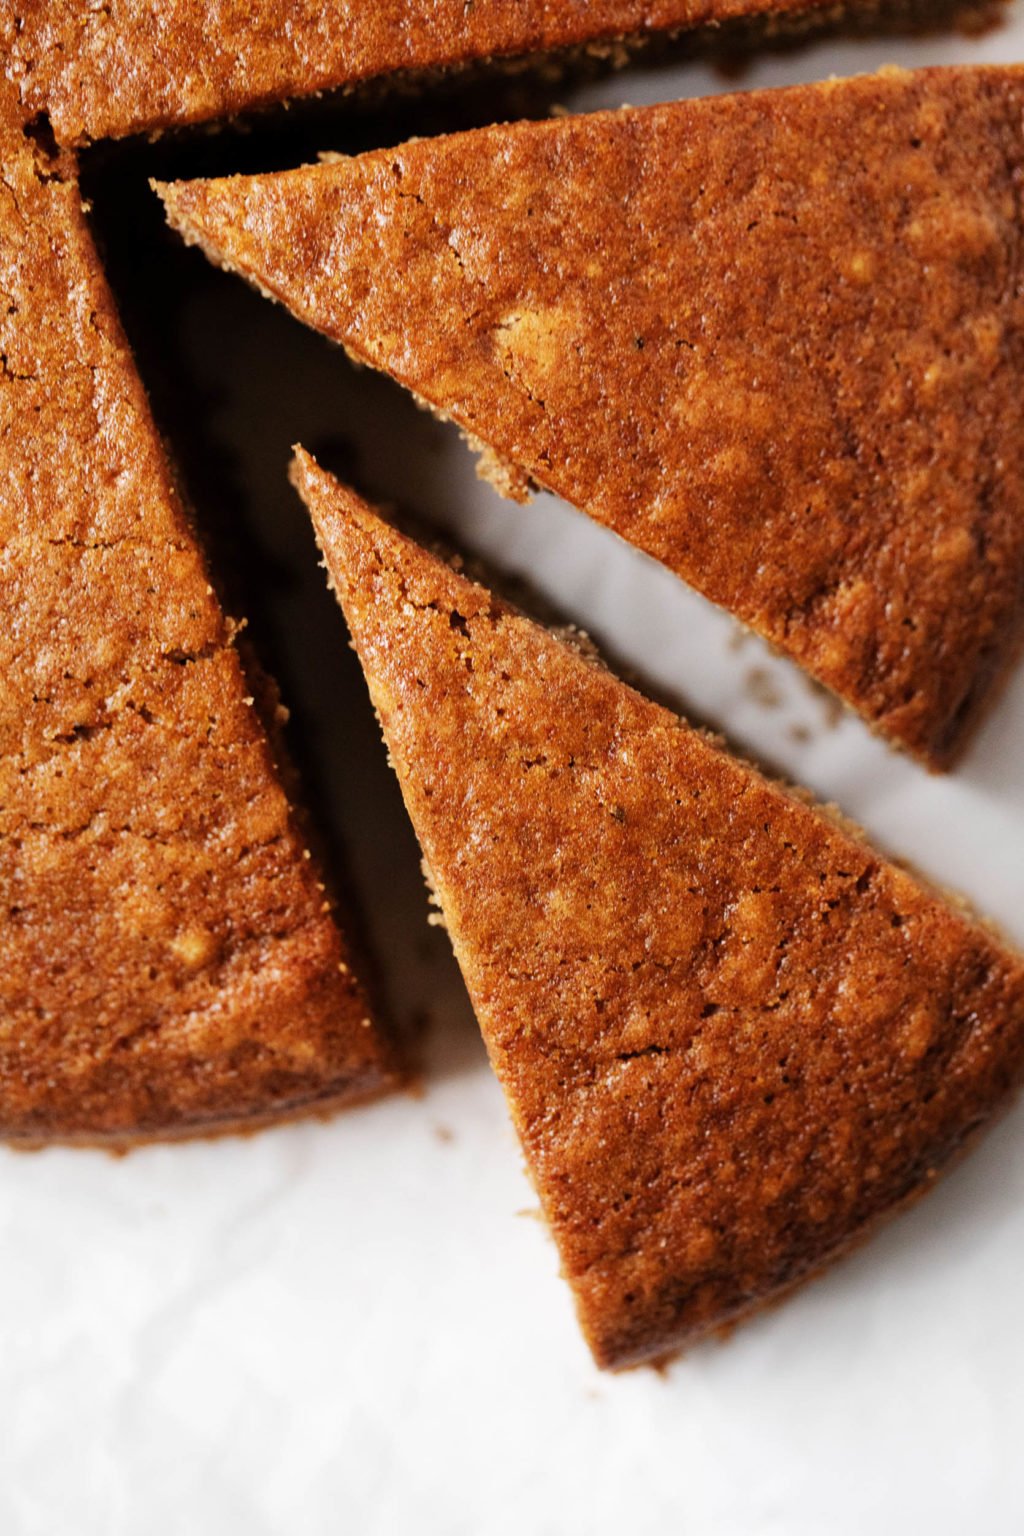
(169, 962)
(130, 66)
(732, 1036)
(775, 340)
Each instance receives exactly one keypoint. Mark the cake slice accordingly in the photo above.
(775, 340)
(731, 1035)
(129, 66)
(169, 961)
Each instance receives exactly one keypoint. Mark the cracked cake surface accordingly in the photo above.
(169, 960)
(775, 340)
(731, 1034)
(129, 66)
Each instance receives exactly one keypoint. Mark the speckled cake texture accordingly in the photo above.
(731, 1035)
(776, 340)
(168, 958)
(130, 66)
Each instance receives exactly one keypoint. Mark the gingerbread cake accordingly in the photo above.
(732, 1036)
(169, 960)
(129, 66)
(775, 340)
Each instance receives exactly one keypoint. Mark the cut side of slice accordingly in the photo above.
(169, 961)
(130, 66)
(732, 1036)
(775, 340)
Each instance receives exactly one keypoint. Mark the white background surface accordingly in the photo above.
(356, 1326)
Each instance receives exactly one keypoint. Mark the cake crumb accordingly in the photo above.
(761, 687)
(194, 947)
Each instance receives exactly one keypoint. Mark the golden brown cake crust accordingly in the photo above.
(168, 959)
(731, 1035)
(129, 66)
(776, 340)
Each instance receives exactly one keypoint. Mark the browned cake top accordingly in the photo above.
(131, 65)
(167, 956)
(731, 1034)
(776, 340)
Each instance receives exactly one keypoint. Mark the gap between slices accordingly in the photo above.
(732, 1036)
(776, 340)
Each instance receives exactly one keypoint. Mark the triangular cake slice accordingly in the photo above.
(731, 1035)
(129, 66)
(169, 961)
(776, 340)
